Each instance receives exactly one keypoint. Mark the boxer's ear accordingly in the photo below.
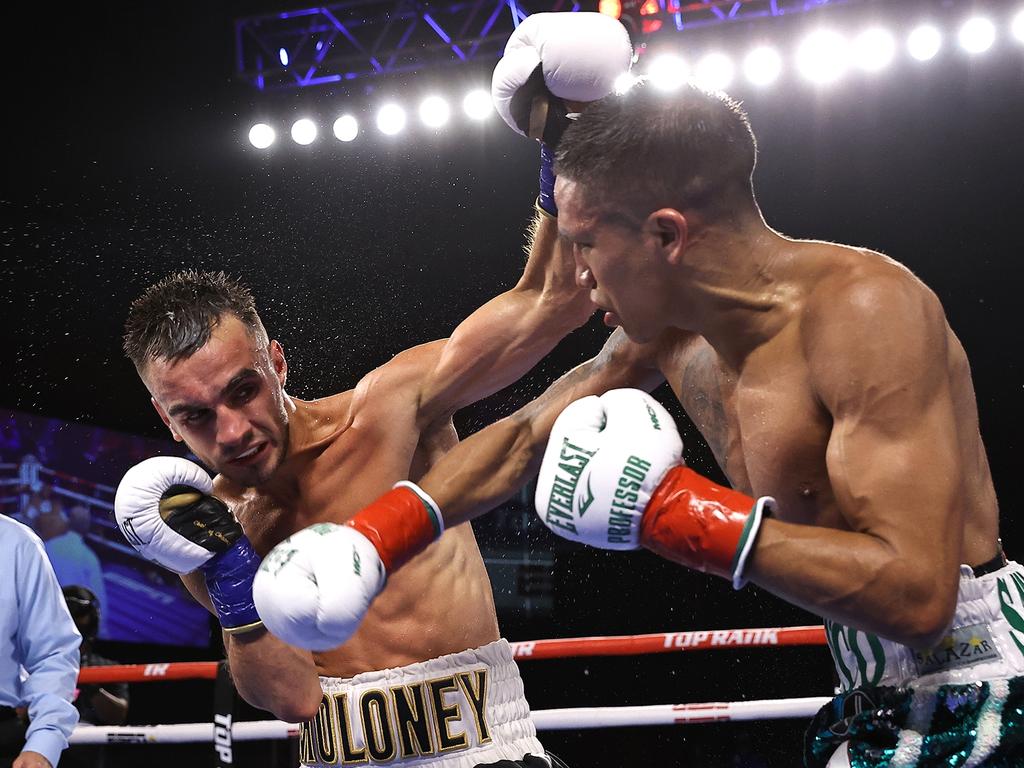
(277, 359)
(165, 419)
(670, 232)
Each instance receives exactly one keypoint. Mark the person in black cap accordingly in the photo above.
(105, 704)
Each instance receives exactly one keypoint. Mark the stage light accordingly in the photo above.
(762, 66)
(282, 54)
(823, 56)
(924, 42)
(434, 111)
(668, 72)
(714, 72)
(346, 128)
(611, 8)
(1017, 26)
(873, 49)
(624, 82)
(261, 135)
(477, 104)
(390, 119)
(977, 35)
(304, 131)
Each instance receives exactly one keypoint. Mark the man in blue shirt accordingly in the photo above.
(38, 650)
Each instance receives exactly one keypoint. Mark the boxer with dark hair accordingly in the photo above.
(835, 397)
(425, 677)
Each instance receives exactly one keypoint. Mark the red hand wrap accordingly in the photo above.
(399, 524)
(696, 522)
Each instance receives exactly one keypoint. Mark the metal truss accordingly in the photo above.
(365, 38)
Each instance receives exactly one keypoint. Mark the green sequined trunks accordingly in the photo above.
(977, 725)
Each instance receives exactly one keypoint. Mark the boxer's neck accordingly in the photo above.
(312, 424)
(734, 286)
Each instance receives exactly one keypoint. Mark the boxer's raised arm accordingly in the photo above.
(468, 481)
(488, 467)
(507, 336)
(880, 364)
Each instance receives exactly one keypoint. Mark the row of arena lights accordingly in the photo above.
(823, 57)
(434, 113)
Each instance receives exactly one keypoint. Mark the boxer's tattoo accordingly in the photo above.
(701, 395)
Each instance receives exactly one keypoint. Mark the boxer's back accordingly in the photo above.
(346, 451)
(766, 424)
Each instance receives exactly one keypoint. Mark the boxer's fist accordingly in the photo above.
(165, 510)
(314, 588)
(555, 58)
(612, 477)
(604, 460)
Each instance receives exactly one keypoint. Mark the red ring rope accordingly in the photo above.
(526, 650)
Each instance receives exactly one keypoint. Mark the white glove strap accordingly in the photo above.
(425, 498)
(762, 508)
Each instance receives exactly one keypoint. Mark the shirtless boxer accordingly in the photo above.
(425, 680)
(832, 392)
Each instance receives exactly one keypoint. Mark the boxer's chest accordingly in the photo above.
(764, 425)
(332, 486)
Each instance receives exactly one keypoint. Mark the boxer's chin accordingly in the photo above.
(257, 470)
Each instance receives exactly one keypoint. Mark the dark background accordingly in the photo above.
(128, 159)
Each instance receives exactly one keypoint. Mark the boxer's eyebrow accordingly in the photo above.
(575, 237)
(240, 377)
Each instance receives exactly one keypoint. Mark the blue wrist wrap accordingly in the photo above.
(547, 180)
(229, 577)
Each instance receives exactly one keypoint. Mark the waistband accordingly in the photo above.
(985, 639)
(454, 711)
(993, 565)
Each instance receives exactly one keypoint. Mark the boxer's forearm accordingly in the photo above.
(484, 470)
(267, 672)
(503, 339)
(488, 467)
(274, 676)
(855, 579)
(550, 270)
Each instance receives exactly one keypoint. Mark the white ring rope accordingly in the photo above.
(545, 720)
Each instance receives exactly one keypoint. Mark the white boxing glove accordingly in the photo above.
(315, 587)
(605, 457)
(165, 508)
(147, 520)
(574, 57)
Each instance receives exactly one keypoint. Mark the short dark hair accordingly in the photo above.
(644, 150)
(174, 317)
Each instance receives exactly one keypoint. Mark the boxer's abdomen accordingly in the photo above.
(438, 603)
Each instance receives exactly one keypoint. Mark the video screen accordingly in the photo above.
(59, 478)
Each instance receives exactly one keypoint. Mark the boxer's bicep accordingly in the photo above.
(880, 367)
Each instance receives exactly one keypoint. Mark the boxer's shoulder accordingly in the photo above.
(390, 394)
(842, 276)
(872, 320)
(870, 291)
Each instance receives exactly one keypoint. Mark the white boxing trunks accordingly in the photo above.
(455, 711)
(958, 704)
